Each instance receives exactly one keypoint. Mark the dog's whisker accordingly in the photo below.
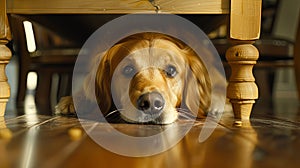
(114, 117)
(185, 114)
(111, 113)
(182, 110)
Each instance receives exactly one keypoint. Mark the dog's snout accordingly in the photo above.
(151, 103)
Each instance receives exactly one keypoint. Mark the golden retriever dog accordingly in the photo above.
(150, 78)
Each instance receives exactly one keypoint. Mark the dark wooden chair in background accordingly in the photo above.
(53, 55)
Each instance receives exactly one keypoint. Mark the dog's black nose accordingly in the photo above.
(151, 103)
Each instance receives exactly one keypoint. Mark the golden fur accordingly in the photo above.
(151, 56)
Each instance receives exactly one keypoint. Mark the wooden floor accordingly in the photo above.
(271, 139)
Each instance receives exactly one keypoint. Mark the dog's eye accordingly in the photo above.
(129, 71)
(171, 71)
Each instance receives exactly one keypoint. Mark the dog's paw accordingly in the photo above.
(65, 106)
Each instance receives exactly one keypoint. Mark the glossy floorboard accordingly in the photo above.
(270, 139)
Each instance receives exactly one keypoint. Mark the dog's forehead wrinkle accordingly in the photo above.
(141, 58)
(157, 57)
(168, 56)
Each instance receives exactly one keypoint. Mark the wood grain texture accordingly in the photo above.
(5, 34)
(245, 19)
(117, 6)
(2, 19)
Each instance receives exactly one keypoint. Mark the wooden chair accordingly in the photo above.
(53, 55)
(274, 51)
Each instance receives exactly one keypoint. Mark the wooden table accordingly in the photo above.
(244, 28)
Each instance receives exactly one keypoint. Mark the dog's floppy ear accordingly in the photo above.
(197, 91)
(101, 89)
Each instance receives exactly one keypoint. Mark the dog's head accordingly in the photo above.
(149, 77)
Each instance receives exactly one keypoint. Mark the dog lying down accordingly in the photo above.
(152, 78)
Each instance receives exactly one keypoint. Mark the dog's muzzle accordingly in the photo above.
(151, 103)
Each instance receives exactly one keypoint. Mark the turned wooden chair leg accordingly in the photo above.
(242, 90)
(5, 56)
(244, 29)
